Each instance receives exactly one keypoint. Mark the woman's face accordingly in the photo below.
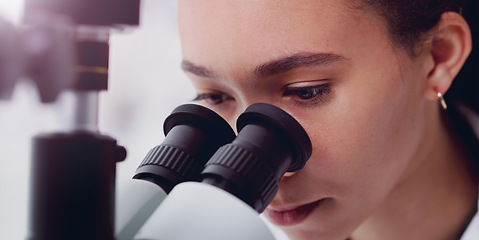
(335, 69)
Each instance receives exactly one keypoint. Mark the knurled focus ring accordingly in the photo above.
(254, 173)
(171, 158)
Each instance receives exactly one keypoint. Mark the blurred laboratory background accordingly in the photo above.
(145, 85)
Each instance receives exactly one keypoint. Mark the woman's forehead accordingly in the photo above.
(265, 12)
(253, 29)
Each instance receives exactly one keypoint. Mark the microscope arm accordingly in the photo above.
(203, 212)
(136, 200)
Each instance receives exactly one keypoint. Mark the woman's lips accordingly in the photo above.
(290, 216)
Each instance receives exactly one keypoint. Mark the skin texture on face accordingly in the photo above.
(359, 97)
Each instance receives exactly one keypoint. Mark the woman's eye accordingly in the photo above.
(213, 98)
(309, 93)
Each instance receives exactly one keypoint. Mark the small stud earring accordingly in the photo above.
(442, 100)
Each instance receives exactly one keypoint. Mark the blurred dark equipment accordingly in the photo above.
(62, 44)
(63, 47)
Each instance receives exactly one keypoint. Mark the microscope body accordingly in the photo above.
(201, 211)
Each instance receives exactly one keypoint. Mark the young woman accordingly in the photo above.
(366, 80)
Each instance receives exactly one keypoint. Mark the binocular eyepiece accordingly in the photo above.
(201, 146)
(193, 134)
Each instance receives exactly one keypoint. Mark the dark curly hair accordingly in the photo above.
(408, 20)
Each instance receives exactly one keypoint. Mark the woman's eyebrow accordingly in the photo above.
(278, 66)
(298, 60)
(199, 71)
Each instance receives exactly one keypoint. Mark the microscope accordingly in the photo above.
(236, 183)
(202, 182)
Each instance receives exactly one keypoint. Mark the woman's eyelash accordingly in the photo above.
(309, 94)
(213, 98)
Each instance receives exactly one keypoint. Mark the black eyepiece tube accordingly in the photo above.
(193, 134)
(270, 143)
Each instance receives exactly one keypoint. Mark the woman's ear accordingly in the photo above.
(451, 44)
